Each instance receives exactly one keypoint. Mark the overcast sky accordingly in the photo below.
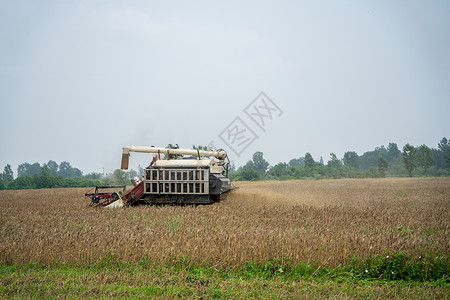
(81, 79)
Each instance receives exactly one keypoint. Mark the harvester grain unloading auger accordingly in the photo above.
(199, 178)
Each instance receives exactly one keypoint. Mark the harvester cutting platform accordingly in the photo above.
(180, 176)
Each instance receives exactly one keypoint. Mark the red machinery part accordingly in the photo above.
(136, 193)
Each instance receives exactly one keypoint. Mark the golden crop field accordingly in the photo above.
(323, 222)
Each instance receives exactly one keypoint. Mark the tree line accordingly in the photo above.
(54, 175)
(380, 162)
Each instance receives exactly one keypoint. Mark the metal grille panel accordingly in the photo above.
(176, 181)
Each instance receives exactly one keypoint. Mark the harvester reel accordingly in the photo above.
(103, 198)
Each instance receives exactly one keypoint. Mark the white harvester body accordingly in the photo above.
(199, 178)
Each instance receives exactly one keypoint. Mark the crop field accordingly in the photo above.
(289, 239)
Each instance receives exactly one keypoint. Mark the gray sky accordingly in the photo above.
(81, 79)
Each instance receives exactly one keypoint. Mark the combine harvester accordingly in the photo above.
(200, 177)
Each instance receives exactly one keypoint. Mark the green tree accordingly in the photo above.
(249, 165)
(66, 170)
(118, 177)
(409, 158)
(424, 158)
(382, 166)
(28, 169)
(444, 146)
(334, 162)
(370, 158)
(350, 172)
(52, 167)
(21, 183)
(309, 160)
(295, 162)
(8, 174)
(121, 177)
(76, 173)
(2, 184)
(246, 174)
(393, 153)
(371, 172)
(44, 179)
(22, 169)
(351, 159)
(279, 170)
(93, 176)
(438, 159)
(259, 163)
(334, 166)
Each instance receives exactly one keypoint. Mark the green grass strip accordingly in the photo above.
(421, 277)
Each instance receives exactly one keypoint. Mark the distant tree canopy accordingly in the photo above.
(297, 162)
(382, 166)
(64, 169)
(409, 158)
(444, 147)
(309, 160)
(7, 175)
(246, 174)
(28, 169)
(334, 167)
(259, 164)
(252, 170)
(380, 162)
(50, 175)
(44, 179)
(279, 169)
(394, 155)
(118, 177)
(424, 158)
(52, 166)
(370, 158)
(351, 159)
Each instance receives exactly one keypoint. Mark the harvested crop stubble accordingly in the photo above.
(324, 222)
